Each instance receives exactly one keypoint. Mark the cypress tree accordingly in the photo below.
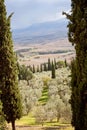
(66, 64)
(49, 64)
(77, 35)
(10, 95)
(33, 70)
(38, 70)
(45, 67)
(41, 67)
(53, 71)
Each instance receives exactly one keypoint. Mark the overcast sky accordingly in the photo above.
(27, 12)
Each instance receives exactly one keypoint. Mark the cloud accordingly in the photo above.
(27, 12)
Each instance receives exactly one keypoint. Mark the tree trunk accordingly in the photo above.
(76, 128)
(13, 125)
(58, 117)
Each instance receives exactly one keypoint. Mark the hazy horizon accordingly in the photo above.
(28, 12)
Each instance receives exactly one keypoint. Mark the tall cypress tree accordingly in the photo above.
(49, 65)
(38, 69)
(41, 67)
(53, 71)
(10, 96)
(78, 37)
(45, 67)
(33, 70)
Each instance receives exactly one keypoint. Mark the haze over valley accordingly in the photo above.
(38, 42)
(41, 32)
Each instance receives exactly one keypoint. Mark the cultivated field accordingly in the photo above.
(39, 53)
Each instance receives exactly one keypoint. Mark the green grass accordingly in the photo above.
(69, 128)
(30, 120)
(26, 120)
(45, 93)
(44, 98)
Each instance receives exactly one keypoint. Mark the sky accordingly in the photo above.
(28, 12)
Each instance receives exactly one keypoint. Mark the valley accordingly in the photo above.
(37, 54)
(40, 41)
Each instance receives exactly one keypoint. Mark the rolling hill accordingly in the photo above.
(41, 32)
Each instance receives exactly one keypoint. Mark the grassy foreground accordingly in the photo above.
(26, 120)
(29, 122)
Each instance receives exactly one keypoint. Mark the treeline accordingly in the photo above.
(49, 66)
(26, 72)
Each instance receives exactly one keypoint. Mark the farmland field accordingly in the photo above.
(39, 53)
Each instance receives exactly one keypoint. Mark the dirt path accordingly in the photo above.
(40, 128)
(29, 128)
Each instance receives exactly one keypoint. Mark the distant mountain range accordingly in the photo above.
(41, 32)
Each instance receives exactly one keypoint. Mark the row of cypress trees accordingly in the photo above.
(50, 66)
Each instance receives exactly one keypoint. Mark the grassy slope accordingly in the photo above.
(44, 96)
